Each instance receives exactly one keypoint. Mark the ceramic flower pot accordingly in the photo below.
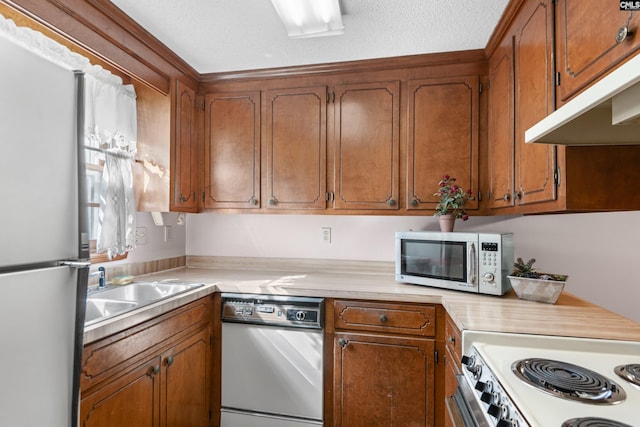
(447, 222)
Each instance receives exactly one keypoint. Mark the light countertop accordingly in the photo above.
(570, 316)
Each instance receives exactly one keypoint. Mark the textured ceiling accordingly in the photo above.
(231, 35)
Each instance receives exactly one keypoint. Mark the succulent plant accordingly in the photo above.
(525, 269)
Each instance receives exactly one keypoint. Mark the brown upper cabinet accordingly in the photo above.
(521, 94)
(184, 151)
(535, 164)
(296, 148)
(536, 178)
(593, 36)
(366, 146)
(323, 147)
(500, 158)
(442, 139)
(232, 150)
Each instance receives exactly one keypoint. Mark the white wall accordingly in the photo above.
(156, 247)
(599, 251)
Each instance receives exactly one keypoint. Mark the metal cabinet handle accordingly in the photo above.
(506, 197)
(154, 370)
(518, 195)
(382, 318)
(169, 360)
(391, 202)
(623, 33)
(452, 340)
(185, 199)
(253, 201)
(342, 342)
(273, 201)
(415, 202)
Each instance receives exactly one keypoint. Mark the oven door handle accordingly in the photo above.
(468, 407)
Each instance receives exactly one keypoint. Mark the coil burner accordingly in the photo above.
(568, 381)
(630, 373)
(593, 422)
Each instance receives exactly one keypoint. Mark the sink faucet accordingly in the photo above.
(101, 278)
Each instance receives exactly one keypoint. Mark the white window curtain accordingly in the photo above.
(110, 131)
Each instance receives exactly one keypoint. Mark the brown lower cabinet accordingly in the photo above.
(155, 374)
(383, 365)
(453, 353)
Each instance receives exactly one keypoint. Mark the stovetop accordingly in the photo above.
(539, 408)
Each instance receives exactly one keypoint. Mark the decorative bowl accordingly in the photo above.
(541, 290)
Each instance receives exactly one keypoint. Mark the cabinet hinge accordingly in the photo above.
(557, 78)
(331, 97)
(435, 355)
(328, 196)
(203, 197)
(556, 176)
(479, 196)
(480, 87)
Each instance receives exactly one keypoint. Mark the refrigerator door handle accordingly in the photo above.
(75, 264)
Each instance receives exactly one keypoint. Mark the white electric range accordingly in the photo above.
(519, 380)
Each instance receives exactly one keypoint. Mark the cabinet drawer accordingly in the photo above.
(105, 358)
(453, 338)
(382, 317)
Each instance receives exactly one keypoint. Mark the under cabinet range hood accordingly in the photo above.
(607, 113)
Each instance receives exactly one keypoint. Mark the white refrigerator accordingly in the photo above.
(44, 247)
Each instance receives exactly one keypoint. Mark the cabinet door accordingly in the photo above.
(500, 157)
(132, 400)
(232, 150)
(184, 159)
(586, 41)
(366, 146)
(296, 148)
(452, 357)
(535, 163)
(383, 381)
(186, 382)
(443, 137)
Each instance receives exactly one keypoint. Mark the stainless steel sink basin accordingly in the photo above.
(144, 291)
(97, 309)
(110, 302)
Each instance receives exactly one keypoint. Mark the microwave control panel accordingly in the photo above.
(495, 258)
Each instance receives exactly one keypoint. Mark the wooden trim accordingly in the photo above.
(368, 65)
(103, 30)
(503, 25)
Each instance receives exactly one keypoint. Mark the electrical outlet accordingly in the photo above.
(326, 234)
(141, 235)
(168, 233)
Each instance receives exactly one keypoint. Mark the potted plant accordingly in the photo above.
(451, 204)
(531, 285)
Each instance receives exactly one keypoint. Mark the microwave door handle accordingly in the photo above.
(472, 264)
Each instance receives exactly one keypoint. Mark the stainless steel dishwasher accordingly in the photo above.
(272, 361)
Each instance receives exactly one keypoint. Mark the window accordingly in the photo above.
(93, 167)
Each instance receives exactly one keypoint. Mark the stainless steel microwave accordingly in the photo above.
(470, 262)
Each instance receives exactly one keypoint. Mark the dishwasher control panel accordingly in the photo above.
(300, 312)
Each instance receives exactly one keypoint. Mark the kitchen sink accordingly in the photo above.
(103, 304)
(98, 309)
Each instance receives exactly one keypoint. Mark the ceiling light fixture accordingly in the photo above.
(310, 18)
